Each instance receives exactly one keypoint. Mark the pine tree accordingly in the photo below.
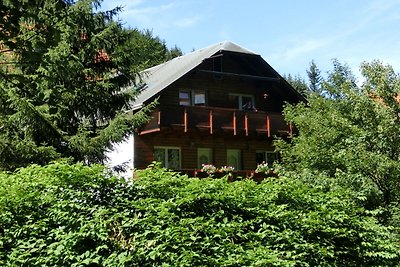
(314, 77)
(64, 67)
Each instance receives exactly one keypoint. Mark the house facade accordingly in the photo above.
(220, 105)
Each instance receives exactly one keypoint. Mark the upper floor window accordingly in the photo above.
(243, 102)
(184, 98)
(192, 98)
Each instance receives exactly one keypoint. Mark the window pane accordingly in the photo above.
(204, 156)
(233, 158)
(271, 157)
(260, 157)
(199, 98)
(184, 98)
(173, 159)
(159, 155)
(247, 103)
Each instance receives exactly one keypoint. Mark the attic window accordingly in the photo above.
(184, 98)
(192, 98)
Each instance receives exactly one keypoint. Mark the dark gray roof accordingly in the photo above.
(159, 77)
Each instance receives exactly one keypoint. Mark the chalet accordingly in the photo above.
(220, 105)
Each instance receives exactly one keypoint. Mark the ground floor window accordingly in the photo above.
(204, 156)
(266, 156)
(234, 158)
(169, 157)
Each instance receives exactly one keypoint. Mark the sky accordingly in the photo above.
(288, 34)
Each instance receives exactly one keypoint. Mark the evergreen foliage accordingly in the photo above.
(63, 69)
(314, 78)
(75, 215)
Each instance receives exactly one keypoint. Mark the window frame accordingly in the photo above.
(265, 157)
(166, 162)
(239, 159)
(210, 156)
(184, 99)
(192, 97)
(240, 99)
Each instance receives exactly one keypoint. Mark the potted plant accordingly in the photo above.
(261, 172)
(208, 169)
(228, 171)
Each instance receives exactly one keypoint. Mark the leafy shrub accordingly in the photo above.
(74, 215)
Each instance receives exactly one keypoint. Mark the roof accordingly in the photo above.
(159, 77)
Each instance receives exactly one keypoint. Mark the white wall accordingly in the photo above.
(123, 153)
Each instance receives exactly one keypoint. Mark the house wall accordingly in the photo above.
(218, 90)
(189, 143)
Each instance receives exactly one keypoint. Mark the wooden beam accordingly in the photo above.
(246, 126)
(268, 127)
(149, 131)
(234, 123)
(211, 121)
(159, 118)
(185, 120)
(253, 77)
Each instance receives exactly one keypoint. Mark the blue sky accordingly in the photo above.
(288, 34)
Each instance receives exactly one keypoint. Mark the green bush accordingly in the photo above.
(74, 215)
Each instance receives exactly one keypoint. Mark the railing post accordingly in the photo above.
(268, 127)
(246, 126)
(159, 118)
(211, 121)
(234, 123)
(185, 119)
(290, 129)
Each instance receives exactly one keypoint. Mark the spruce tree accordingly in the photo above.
(64, 70)
(314, 77)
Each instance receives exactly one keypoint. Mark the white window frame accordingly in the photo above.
(166, 148)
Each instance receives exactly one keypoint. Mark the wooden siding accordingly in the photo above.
(189, 143)
(218, 91)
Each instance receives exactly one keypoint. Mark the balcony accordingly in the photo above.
(215, 120)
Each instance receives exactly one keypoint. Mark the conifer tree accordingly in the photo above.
(64, 70)
(314, 77)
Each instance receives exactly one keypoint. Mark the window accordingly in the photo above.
(199, 98)
(169, 157)
(242, 102)
(233, 158)
(192, 97)
(266, 156)
(184, 98)
(204, 156)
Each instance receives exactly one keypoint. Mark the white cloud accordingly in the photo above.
(187, 22)
(302, 47)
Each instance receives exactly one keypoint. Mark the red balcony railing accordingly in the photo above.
(215, 119)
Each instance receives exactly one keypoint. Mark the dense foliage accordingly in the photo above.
(353, 131)
(75, 215)
(63, 69)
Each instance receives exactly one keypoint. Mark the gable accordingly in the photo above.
(236, 61)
